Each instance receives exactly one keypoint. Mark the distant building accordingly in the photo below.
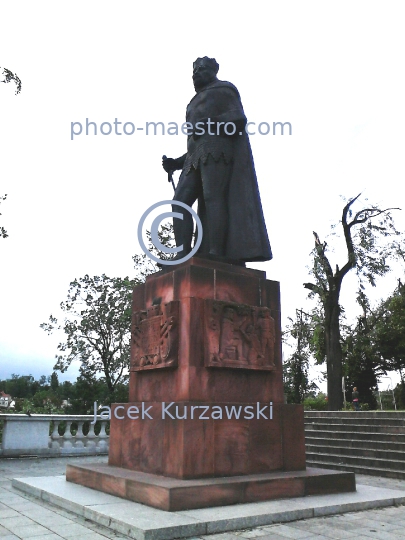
(5, 400)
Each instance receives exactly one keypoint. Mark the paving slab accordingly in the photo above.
(145, 523)
(26, 531)
(7, 513)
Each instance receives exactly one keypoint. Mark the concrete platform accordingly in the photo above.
(145, 523)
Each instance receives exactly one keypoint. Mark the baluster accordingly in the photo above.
(90, 441)
(55, 437)
(103, 438)
(67, 437)
(79, 435)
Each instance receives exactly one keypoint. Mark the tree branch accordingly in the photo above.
(320, 249)
(313, 288)
(351, 257)
(368, 213)
(374, 212)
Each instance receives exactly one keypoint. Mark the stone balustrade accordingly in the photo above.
(53, 435)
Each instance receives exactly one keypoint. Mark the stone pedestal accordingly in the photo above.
(204, 448)
(206, 396)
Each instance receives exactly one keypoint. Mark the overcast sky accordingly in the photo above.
(333, 70)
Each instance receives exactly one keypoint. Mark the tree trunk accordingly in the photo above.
(333, 353)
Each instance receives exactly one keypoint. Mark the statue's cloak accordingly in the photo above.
(247, 238)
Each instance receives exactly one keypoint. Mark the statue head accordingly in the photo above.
(204, 71)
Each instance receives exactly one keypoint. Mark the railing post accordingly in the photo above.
(55, 437)
(67, 437)
(103, 437)
(79, 435)
(91, 443)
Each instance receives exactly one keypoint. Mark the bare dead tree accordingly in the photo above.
(369, 257)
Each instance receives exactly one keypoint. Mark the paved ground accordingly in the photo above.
(23, 517)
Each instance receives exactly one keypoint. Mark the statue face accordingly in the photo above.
(202, 75)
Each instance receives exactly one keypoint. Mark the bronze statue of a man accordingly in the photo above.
(218, 170)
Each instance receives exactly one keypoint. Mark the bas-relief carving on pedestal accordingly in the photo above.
(155, 337)
(238, 336)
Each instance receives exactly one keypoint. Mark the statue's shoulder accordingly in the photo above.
(227, 84)
(216, 85)
(223, 84)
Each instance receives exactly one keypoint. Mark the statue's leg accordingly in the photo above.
(188, 190)
(215, 181)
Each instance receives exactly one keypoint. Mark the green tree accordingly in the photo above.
(144, 266)
(400, 395)
(66, 390)
(20, 386)
(389, 331)
(46, 400)
(87, 389)
(43, 380)
(361, 362)
(97, 325)
(54, 381)
(376, 344)
(363, 232)
(296, 379)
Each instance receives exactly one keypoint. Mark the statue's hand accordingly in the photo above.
(169, 164)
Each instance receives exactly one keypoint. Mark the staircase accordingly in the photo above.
(360, 442)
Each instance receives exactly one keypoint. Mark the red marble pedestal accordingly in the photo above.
(206, 338)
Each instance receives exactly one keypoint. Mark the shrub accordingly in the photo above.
(318, 403)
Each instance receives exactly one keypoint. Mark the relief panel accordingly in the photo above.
(154, 337)
(238, 336)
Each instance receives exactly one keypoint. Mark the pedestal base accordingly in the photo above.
(172, 494)
(199, 448)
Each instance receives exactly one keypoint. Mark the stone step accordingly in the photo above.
(398, 422)
(353, 414)
(357, 451)
(350, 435)
(358, 469)
(360, 442)
(351, 460)
(354, 427)
(356, 443)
